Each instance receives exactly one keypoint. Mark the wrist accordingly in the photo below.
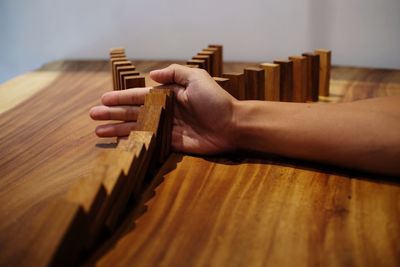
(249, 125)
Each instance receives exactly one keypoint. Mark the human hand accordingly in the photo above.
(203, 114)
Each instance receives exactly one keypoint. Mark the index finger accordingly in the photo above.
(134, 96)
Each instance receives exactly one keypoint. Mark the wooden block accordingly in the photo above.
(118, 58)
(138, 141)
(199, 62)
(324, 70)
(220, 58)
(118, 164)
(134, 81)
(119, 69)
(59, 237)
(254, 83)
(160, 98)
(299, 78)
(192, 66)
(286, 80)
(272, 81)
(313, 76)
(117, 55)
(124, 74)
(169, 116)
(150, 118)
(212, 59)
(117, 50)
(224, 83)
(236, 85)
(112, 61)
(89, 192)
(206, 61)
(216, 60)
(115, 66)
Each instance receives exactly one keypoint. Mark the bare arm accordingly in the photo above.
(364, 135)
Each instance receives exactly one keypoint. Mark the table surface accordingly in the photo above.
(202, 211)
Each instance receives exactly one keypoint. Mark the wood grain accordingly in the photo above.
(236, 85)
(286, 80)
(324, 70)
(220, 57)
(299, 78)
(213, 62)
(254, 80)
(133, 81)
(224, 83)
(207, 61)
(116, 64)
(208, 211)
(272, 81)
(268, 212)
(313, 76)
(197, 62)
(18, 89)
(56, 242)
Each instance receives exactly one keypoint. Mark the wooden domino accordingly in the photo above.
(216, 62)
(206, 61)
(224, 83)
(143, 143)
(89, 192)
(286, 80)
(209, 59)
(198, 62)
(115, 66)
(299, 78)
(160, 98)
(114, 179)
(272, 81)
(120, 71)
(313, 76)
(134, 81)
(212, 60)
(128, 73)
(254, 83)
(117, 50)
(236, 85)
(324, 70)
(192, 66)
(168, 106)
(220, 58)
(112, 63)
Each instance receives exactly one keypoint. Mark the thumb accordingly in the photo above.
(172, 74)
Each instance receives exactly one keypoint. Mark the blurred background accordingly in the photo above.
(359, 32)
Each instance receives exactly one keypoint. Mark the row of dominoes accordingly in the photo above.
(299, 79)
(95, 205)
(124, 74)
(210, 59)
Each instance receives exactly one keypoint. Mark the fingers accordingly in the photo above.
(125, 97)
(120, 113)
(117, 129)
(173, 74)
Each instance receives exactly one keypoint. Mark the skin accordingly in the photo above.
(363, 135)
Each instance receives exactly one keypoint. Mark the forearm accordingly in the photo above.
(364, 135)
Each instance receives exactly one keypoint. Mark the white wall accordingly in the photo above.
(359, 32)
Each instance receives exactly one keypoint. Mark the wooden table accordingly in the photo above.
(207, 211)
